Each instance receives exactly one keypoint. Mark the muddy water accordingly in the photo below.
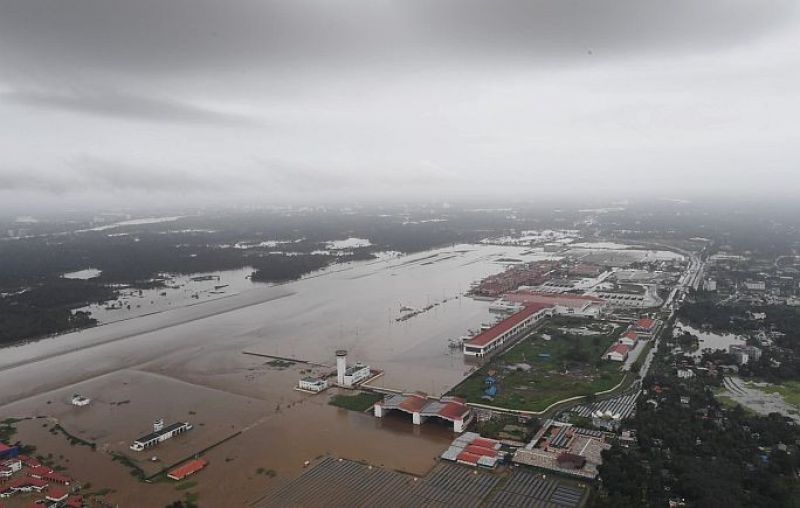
(352, 307)
(188, 364)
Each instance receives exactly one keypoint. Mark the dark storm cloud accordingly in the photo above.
(126, 105)
(42, 36)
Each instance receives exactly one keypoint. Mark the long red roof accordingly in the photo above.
(467, 457)
(503, 326)
(521, 296)
(479, 450)
(484, 442)
(188, 468)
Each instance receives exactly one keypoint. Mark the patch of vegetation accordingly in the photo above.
(46, 309)
(7, 430)
(536, 373)
(186, 485)
(182, 504)
(280, 364)
(268, 472)
(126, 461)
(73, 440)
(280, 268)
(788, 390)
(358, 402)
(98, 493)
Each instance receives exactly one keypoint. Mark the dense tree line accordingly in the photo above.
(47, 309)
(276, 268)
(699, 452)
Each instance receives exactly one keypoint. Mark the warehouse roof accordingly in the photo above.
(507, 324)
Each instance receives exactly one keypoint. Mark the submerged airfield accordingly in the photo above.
(209, 364)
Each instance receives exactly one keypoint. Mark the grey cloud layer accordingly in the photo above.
(184, 35)
(127, 105)
(310, 98)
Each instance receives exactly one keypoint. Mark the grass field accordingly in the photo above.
(789, 391)
(536, 372)
(358, 402)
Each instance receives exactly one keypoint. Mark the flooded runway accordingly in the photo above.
(188, 364)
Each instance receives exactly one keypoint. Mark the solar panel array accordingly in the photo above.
(622, 405)
(343, 483)
(532, 490)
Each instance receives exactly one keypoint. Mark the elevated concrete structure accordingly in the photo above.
(420, 407)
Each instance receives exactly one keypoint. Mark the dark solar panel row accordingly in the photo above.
(504, 499)
(525, 488)
(530, 485)
(462, 479)
(345, 483)
(560, 439)
(335, 483)
(566, 496)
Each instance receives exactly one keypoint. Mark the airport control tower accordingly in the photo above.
(341, 366)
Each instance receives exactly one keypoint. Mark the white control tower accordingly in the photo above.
(341, 366)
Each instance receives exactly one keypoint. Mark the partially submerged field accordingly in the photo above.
(561, 359)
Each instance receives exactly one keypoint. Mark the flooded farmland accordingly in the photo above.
(189, 364)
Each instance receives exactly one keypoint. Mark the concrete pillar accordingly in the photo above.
(416, 418)
(378, 410)
(341, 366)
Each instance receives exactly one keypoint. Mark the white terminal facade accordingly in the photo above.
(350, 376)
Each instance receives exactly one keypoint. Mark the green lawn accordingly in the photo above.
(789, 391)
(573, 368)
(359, 402)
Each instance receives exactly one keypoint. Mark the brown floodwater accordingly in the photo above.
(189, 364)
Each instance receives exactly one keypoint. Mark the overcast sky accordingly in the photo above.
(153, 101)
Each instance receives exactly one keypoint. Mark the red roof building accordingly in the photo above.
(56, 494)
(486, 443)
(629, 338)
(454, 409)
(506, 329)
(29, 461)
(75, 502)
(27, 484)
(468, 458)
(644, 325)
(481, 451)
(187, 469)
(39, 471)
(617, 352)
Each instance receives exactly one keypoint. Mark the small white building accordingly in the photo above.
(350, 376)
(80, 400)
(9, 467)
(685, 373)
(160, 433)
(355, 374)
(313, 384)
